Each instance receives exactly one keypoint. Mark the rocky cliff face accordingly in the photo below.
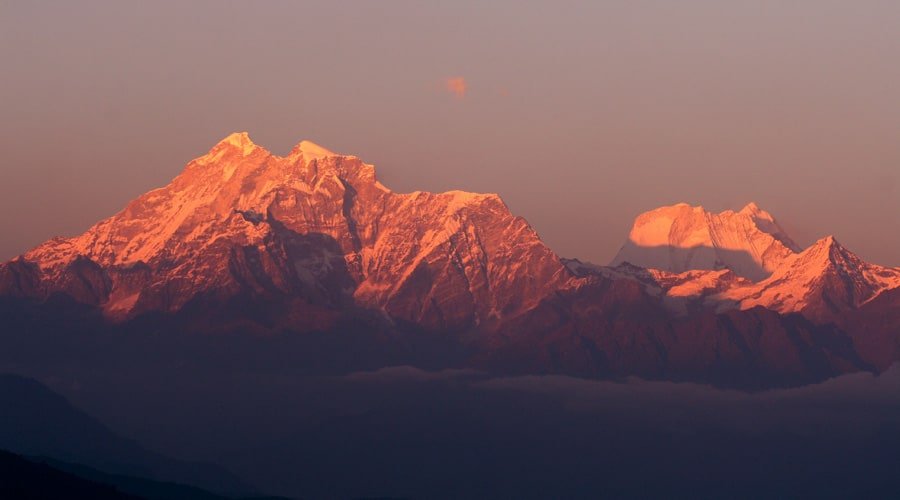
(313, 224)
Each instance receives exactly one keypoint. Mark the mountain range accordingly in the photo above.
(310, 243)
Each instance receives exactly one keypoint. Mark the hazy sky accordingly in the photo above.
(581, 115)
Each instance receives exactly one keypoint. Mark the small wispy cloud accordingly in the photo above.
(456, 86)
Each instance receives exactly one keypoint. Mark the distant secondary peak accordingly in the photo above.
(751, 208)
(823, 245)
(828, 243)
(667, 211)
(311, 150)
(683, 237)
(826, 252)
(238, 140)
(682, 205)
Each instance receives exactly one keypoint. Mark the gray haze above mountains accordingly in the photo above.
(581, 116)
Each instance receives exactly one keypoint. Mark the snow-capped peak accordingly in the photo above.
(682, 237)
(824, 253)
(821, 280)
(311, 150)
(830, 243)
(238, 140)
(240, 218)
(751, 208)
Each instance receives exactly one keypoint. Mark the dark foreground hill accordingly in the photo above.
(38, 422)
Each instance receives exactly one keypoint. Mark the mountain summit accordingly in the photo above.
(821, 282)
(314, 229)
(682, 237)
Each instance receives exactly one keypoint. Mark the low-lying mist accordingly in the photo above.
(406, 432)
